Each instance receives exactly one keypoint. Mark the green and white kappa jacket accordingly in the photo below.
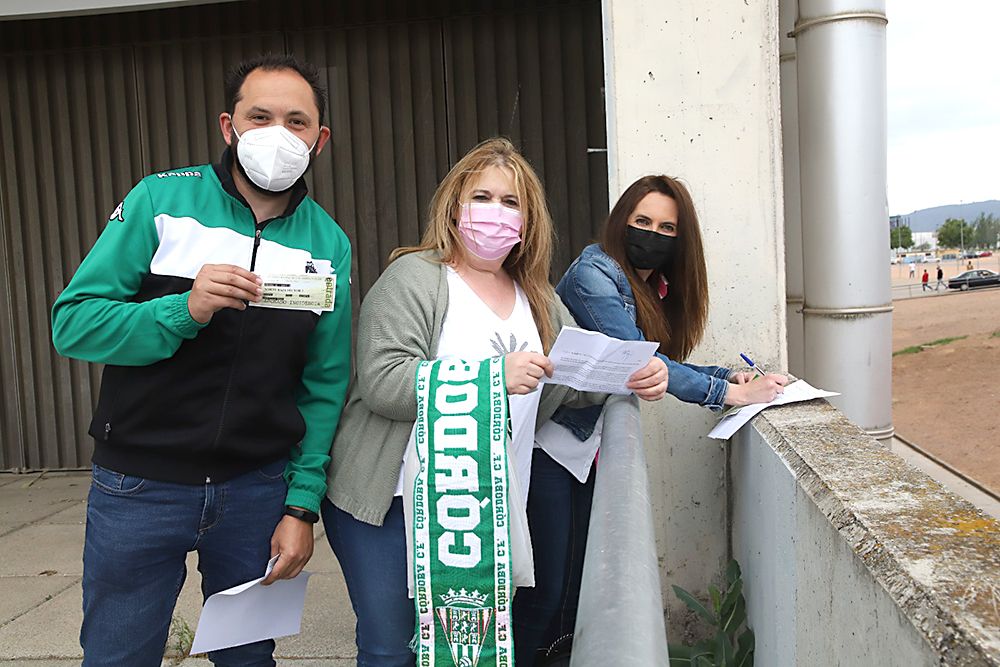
(187, 403)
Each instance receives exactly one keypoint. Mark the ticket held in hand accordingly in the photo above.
(298, 291)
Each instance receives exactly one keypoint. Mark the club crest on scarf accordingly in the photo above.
(465, 619)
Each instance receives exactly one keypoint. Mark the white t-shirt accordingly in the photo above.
(472, 332)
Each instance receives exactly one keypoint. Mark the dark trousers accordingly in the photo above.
(558, 517)
(139, 532)
(373, 559)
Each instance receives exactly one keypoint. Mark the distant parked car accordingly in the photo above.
(985, 253)
(969, 255)
(949, 255)
(977, 278)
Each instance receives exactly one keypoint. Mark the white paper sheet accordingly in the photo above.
(591, 361)
(251, 612)
(732, 421)
(565, 449)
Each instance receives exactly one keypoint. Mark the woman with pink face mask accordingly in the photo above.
(476, 287)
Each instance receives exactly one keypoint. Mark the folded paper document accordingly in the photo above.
(251, 612)
(591, 361)
(800, 390)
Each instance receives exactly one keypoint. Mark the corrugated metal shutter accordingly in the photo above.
(68, 143)
(537, 77)
(95, 103)
(388, 146)
(180, 95)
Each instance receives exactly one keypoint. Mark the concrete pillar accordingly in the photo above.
(692, 91)
(794, 299)
(32, 9)
(842, 144)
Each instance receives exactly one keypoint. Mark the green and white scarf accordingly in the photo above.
(461, 544)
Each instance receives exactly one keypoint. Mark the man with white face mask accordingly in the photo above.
(214, 423)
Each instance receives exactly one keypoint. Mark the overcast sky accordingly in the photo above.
(944, 102)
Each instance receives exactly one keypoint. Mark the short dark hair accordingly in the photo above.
(272, 62)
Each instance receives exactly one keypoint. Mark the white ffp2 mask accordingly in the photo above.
(272, 157)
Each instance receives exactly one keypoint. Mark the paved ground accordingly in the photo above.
(41, 542)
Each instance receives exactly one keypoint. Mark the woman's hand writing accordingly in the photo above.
(758, 390)
(650, 382)
(523, 370)
(741, 377)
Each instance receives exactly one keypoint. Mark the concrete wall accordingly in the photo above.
(30, 9)
(851, 557)
(692, 91)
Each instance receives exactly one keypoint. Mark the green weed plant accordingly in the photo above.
(913, 349)
(732, 644)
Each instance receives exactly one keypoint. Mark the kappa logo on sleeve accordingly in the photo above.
(119, 212)
(181, 174)
(310, 267)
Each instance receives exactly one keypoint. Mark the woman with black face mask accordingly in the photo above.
(646, 280)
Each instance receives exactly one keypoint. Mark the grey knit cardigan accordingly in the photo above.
(398, 327)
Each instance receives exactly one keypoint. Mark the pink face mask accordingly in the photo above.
(489, 230)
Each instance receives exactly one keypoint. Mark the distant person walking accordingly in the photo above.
(913, 270)
(940, 279)
(969, 266)
(924, 286)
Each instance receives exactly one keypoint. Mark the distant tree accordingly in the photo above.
(900, 237)
(986, 231)
(953, 231)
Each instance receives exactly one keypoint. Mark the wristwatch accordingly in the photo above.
(304, 515)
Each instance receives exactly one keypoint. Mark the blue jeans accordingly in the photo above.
(558, 518)
(373, 559)
(139, 532)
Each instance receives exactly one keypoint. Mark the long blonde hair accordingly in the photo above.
(528, 263)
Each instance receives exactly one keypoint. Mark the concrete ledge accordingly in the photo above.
(832, 492)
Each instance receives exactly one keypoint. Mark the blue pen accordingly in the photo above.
(752, 365)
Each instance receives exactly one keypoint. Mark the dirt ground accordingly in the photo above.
(946, 399)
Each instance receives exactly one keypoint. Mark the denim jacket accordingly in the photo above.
(597, 293)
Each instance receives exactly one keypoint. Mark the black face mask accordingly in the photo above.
(649, 250)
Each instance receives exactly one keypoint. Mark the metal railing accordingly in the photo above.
(916, 290)
(951, 267)
(620, 617)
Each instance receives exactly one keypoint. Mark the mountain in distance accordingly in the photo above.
(929, 219)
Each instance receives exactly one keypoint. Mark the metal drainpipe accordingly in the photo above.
(788, 12)
(841, 63)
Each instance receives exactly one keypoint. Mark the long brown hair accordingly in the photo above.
(678, 321)
(528, 263)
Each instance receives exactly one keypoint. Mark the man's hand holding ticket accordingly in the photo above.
(298, 291)
(591, 361)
